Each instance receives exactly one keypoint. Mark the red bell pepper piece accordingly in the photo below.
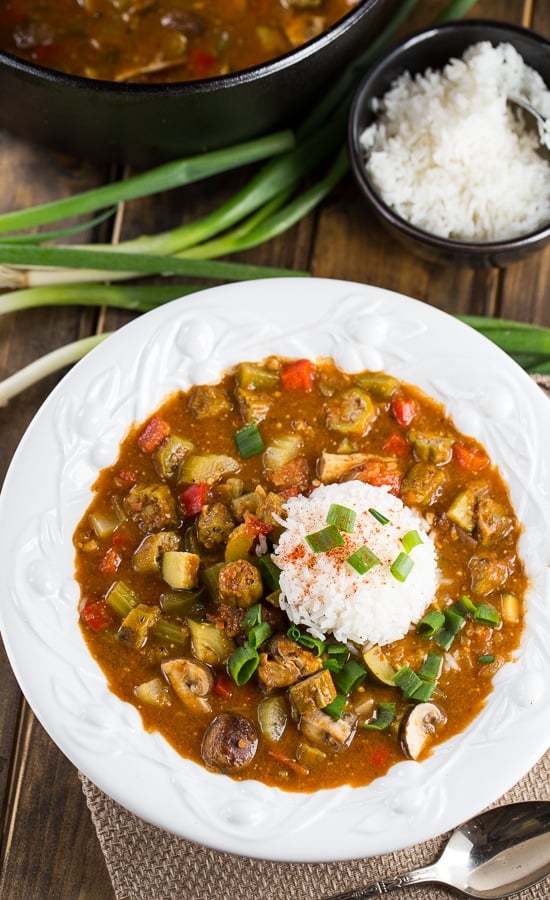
(153, 434)
(201, 62)
(404, 410)
(470, 458)
(110, 562)
(378, 473)
(223, 687)
(193, 498)
(298, 375)
(96, 615)
(256, 526)
(397, 445)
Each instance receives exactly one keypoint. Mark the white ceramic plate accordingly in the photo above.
(78, 431)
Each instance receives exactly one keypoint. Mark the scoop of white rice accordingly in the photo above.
(448, 154)
(325, 594)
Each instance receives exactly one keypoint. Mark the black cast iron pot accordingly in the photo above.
(140, 123)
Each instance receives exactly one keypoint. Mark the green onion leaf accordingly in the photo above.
(363, 560)
(336, 707)
(410, 540)
(258, 634)
(431, 622)
(242, 664)
(431, 667)
(454, 621)
(486, 658)
(380, 517)
(402, 567)
(325, 539)
(424, 691)
(384, 716)
(444, 638)
(350, 676)
(407, 680)
(306, 640)
(253, 616)
(486, 614)
(464, 605)
(270, 572)
(249, 441)
(342, 517)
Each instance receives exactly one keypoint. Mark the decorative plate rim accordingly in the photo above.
(77, 431)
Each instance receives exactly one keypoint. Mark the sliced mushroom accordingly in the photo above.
(418, 728)
(324, 731)
(191, 681)
(229, 743)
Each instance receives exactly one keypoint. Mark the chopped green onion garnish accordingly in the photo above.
(385, 714)
(454, 620)
(336, 706)
(306, 640)
(464, 605)
(271, 573)
(486, 614)
(243, 663)
(444, 638)
(325, 539)
(338, 651)
(424, 691)
(337, 657)
(431, 623)
(402, 567)
(342, 517)
(258, 634)
(431, 667)
(350, 676)
(486, 658)
(362, 560)
(410, 540)
(380, 517)
(253, 616)
(249, 441)
(407, 680)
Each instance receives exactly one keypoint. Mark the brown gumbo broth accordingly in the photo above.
(161, 40)
(180, 600)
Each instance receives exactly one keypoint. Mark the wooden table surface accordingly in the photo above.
(49, 847)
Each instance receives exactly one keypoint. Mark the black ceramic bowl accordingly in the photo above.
(433, 48)
(141, 123)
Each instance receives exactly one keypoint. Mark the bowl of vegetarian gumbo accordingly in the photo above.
(472, 185)
(285, 561)
(147, 81)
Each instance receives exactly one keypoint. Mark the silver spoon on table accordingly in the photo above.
(493, 855)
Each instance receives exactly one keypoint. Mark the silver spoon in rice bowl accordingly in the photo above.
(495, 854)
(542, 124)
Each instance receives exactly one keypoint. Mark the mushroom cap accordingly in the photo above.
(229, 743)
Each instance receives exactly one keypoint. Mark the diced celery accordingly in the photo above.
(252, 375)
(121, 598)
(281, 451)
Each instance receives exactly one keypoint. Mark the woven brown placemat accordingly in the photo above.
(146, 863)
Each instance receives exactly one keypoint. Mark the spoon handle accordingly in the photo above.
(380, 888)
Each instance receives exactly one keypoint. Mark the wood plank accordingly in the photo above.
(42, 805)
